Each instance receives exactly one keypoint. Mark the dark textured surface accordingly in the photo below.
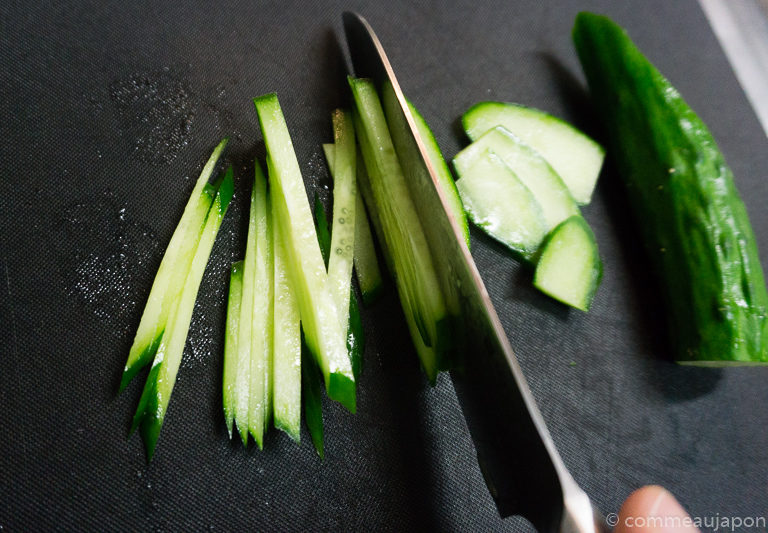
(109, 111)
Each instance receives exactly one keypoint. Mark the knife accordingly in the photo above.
(518, 459)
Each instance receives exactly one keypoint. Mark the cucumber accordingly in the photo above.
(325, 334)
(575, 157)
(230, 344)
(694, 225)
(159, 386)
(364, 258)
(569, 268)
(355, 336)
(499, 203)
(172, 272)
(532, 170)
(313, 409)
(259, 409)
(401, 231)
(443, 173)
(344, 212)
(286, 362)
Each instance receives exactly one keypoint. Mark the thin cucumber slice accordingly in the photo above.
(569, 268)
(344, 212)
(230, 343)
(261, 317)
(170, 277)
(325, 334)
(286, 362)
(532, 170)
(313, 409)
(405, 241)
(366, 264)
(575, 157)
(499, 203)
(159, 386)
(355, 336)
(444, 176)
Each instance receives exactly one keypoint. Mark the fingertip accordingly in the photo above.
(653, 509)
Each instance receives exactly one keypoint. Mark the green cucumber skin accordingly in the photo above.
(443, 172)
(311, 398)
(695, 228)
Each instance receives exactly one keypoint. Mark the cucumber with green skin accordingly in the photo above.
(694, 225)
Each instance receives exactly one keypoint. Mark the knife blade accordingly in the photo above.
(518, 459)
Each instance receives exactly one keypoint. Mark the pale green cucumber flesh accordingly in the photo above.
(532, 170)
(402, 234)
(324, 333)
(158, 389)
(171, 274)
(230, 343)
(286, 363)
(569, 267)
(262, 308)
(499, 203)
(574, 156)
(443, 173)
(367, 270)
(344, 212)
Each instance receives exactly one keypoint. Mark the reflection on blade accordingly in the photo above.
(517, 457)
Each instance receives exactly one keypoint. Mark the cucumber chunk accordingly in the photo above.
(230, 344)
(159, 386)
(259, 410)
(569, 268)
(405, 243)
(325, 334)
(444, 176)
(575, 157)
(172, 272)
(286, 361)
(682, 196)
(364, 257)
(532, 170)
(499, 203)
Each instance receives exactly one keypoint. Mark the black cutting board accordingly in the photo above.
(109, 111)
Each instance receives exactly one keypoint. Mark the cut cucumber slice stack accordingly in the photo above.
(162, 377)
(569, 268)
(572, 154)
(401, 231)
(532, 170)
(499, 203)
(171, 274)
(324, 332)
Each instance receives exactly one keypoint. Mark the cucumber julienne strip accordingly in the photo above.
(244, 344)
(364, 258)
(230, 343)
(324, 332)
(355, 335)
(344, 212)
(172, 271)
(159, 386)
(262, 309)
(405, 242)
(286, 363)
(313, 412)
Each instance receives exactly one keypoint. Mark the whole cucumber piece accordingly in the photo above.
(694, 225)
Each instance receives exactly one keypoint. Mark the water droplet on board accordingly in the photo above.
(156, 109)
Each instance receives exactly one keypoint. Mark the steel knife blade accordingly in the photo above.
(516, 454)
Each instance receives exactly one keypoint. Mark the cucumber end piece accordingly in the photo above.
(341, 388)
(292, 430)
(150, 431)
